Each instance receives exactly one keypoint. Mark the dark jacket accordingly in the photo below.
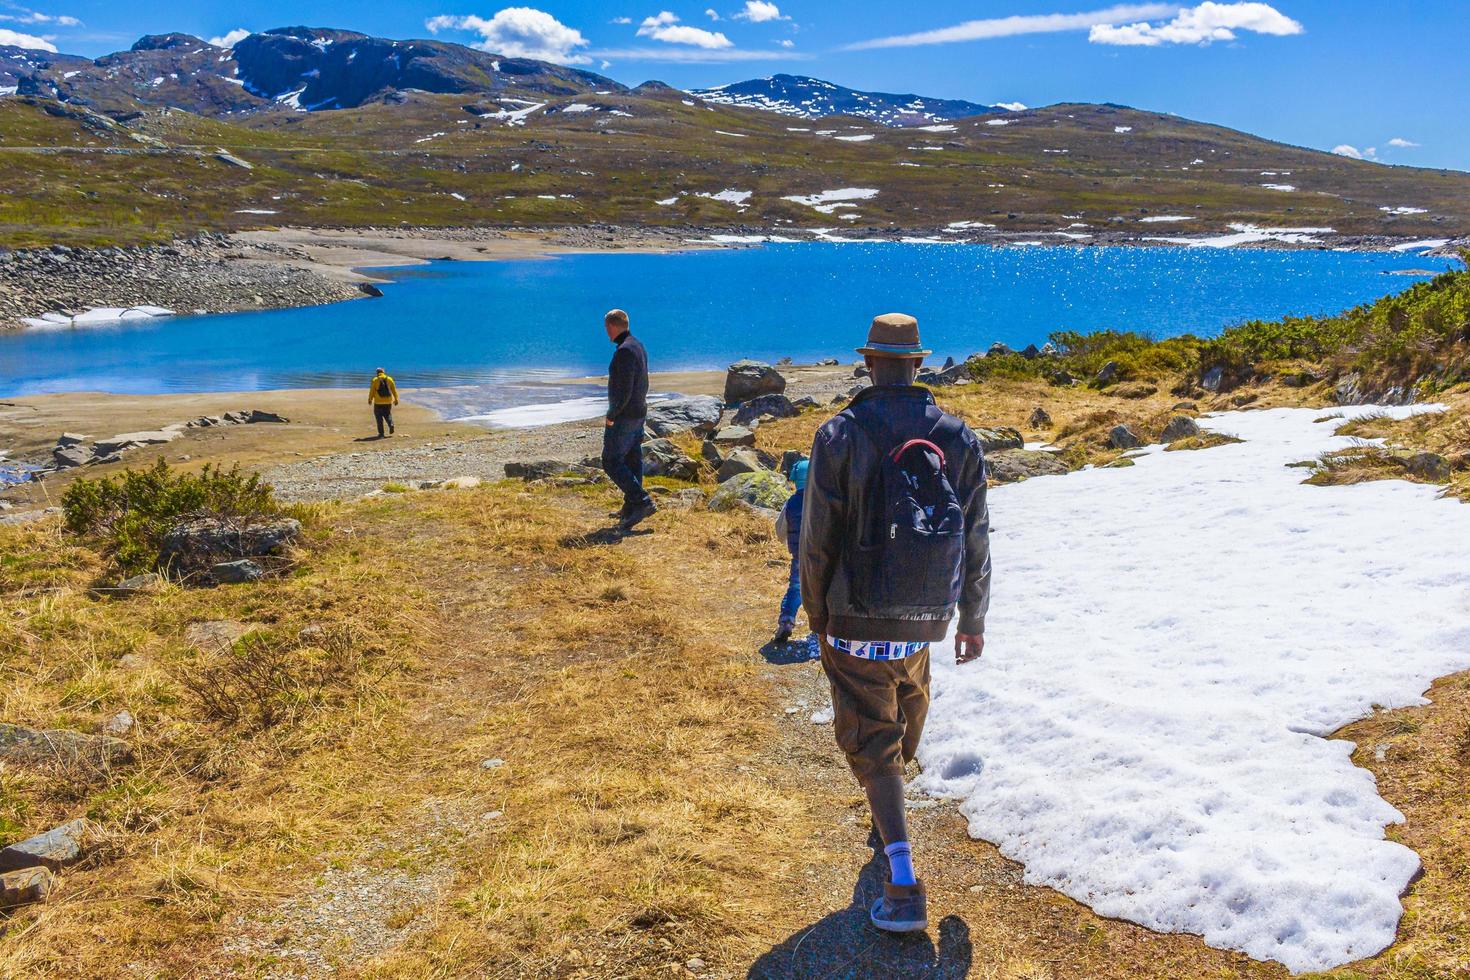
(844, 460)
(793, 509)
(627, 380)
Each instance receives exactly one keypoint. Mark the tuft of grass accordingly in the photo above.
(1207, 440)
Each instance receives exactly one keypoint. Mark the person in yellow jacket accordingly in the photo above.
(383, 395)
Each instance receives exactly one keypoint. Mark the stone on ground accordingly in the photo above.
(25, 887)
(698, 414)
(748, 379)
(764, 489)
(1040, 418)
(777, 406)
(1180, 427)
(29, 745)
(236, 572)
(734, 435)
(200, 542)
(1014, 465)
(996, 438)
(1123, 437)
(662, 458)
(55, 849)
(738, 462)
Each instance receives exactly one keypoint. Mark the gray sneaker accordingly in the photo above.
(903, 908)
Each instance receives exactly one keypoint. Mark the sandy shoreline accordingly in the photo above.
(329, 447)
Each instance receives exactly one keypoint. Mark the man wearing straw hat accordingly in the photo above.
(895, 537)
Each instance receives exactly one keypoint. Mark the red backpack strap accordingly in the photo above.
(898, 453)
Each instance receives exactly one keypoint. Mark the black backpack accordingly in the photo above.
(911, 551)
(382, 387)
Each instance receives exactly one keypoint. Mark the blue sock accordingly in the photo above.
(900, 863)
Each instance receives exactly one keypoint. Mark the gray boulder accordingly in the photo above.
(541, 469)
(55, 849)
(256, 416)
(1212, 379)
(1430, 467)
(750, 379)
(236, 572)
(1040, 418)
(201, 542)
(741, 461)
(1123, 437)
(734, 435)
(1014, 465)
(1180, 427)
(25, 887)
(697, 413)
(662, 458)
(69, 457)
(778, 406)
(132, 440)
(1108, 374)
(70, 439)
(711, 454)
(997, 438)
(764, 489)
(29, 745)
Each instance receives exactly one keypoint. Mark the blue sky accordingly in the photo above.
(1356, 74)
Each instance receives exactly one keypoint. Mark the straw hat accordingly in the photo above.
(894, 335)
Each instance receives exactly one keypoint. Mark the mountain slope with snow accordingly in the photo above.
(813, 98)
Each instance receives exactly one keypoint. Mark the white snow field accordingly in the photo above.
(1166, 647)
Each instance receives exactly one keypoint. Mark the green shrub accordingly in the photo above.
(129, 514)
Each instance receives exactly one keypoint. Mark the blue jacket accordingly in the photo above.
(792, 510)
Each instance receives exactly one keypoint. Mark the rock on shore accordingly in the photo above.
(211, 273)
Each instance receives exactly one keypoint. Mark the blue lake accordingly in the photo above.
(453, 324)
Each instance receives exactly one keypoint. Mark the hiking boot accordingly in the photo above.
(783, 635)
(903, 908)
(637, 515)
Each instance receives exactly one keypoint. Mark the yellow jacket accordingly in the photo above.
(376, 399)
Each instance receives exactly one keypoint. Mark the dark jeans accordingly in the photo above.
(383, 413)
(622, 459)
(791, 602)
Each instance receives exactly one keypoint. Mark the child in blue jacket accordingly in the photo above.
(791, 518)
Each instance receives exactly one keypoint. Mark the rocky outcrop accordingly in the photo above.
(741, 461)
(750, 379)
(56, 849)
(197, 544)
(1014, 465)
(59, 745)
(997, 438)
(765, 490)
(1180, 427)
(211, 272)
(698, 414)
(1123, 437)
(733, 435)
(25, 887)
(662, 458)
(776, 406)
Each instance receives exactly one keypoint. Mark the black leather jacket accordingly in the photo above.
(627, 380)
(843, 460)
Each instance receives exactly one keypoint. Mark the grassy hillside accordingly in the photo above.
(438, 160)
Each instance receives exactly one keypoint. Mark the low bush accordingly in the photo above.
(129, 514)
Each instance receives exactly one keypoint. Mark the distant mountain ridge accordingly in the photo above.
(292, 68)
(813, 98)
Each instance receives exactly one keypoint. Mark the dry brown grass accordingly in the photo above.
(655, 801)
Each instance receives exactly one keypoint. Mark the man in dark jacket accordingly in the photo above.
(878, 598)
(627, 407)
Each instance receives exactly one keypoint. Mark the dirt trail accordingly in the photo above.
(442, 885)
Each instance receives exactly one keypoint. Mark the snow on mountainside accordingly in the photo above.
(812, 98)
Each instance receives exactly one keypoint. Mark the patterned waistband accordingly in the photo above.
(878, 649)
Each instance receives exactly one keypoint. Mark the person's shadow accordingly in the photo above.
(846, 946)
(792, 651)
(603, 536)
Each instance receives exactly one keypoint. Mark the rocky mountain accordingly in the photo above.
(812, 98)
(290, 68)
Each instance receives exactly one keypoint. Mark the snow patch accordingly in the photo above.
(1285, 188)
(1403, 210)
(1170, 769)
(1122, 129)
(856, 139)
(829, 201)
(1159, 219)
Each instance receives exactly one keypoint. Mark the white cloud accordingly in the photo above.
(23, 16)
(698, 56)
(1401, 143)
(712, 13)
(230, 39)
(995, 27)
(1204, 24)
(621, 20)
(666, 27)
(788, 43)
(16, 39)
(759, 11)
(1353, 153)
(519, 32)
